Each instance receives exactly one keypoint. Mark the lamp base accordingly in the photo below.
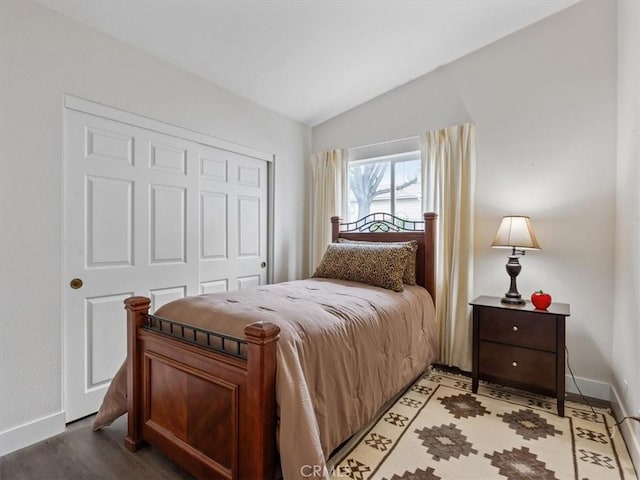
(512, 300)
(513, 297)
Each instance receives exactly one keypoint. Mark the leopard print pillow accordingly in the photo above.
(409, 276)
(380, 266)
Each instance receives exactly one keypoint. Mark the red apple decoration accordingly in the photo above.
(541, 300)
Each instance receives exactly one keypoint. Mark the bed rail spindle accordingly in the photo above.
(429, 257)
(335, 228)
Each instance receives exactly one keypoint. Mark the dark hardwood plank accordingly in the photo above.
(80, 453)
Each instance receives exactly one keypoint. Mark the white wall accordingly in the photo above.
(544, 103)
(43, 56)
(626, 319)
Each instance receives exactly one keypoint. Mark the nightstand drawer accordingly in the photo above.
(520, 365)
(532, 330)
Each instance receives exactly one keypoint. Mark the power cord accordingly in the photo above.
(612, 430)
(628, 417)
(584, 399)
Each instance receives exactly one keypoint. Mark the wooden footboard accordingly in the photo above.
(211, 412)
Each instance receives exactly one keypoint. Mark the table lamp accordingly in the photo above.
(515, 232)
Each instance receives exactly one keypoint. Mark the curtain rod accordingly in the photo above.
(385, 142)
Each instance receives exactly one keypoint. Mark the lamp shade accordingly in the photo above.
(516, 232)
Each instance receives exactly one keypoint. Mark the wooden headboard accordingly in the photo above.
(383, 227)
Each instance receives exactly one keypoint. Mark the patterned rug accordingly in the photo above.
(438, 429)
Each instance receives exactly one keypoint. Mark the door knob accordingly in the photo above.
(263, 265)
(76, 283)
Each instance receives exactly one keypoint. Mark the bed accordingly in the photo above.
(219, 404)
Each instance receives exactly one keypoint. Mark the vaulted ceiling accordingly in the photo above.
(308, 60)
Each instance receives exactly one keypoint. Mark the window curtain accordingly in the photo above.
(448, 181)
(329, 177)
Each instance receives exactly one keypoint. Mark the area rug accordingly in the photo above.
(439, 430)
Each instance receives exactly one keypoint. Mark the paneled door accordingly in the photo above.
(233, 212)
(153, 214)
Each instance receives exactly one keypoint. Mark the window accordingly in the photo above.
(388, 184)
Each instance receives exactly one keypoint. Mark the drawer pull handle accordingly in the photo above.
(515, 328)
(514, 364)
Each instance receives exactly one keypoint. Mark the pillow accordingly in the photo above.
(380, 266)
(409, 276)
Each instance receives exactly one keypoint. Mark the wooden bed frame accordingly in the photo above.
(207, 400)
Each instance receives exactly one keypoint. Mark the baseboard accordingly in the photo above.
(588, 387)
(630, 432)
(31, 432)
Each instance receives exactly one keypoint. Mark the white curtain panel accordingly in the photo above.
(329, 176)
(448, 166)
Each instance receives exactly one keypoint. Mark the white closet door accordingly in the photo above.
(138, 223)
(233, 223)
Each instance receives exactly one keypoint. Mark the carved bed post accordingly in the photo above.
(261, 341)
(430, 254)
(137, 308)
(335, 228)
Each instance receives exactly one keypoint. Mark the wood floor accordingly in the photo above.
(80, 453)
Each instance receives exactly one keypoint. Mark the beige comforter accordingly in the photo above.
(345, 348)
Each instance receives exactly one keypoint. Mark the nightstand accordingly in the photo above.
(520, 346)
